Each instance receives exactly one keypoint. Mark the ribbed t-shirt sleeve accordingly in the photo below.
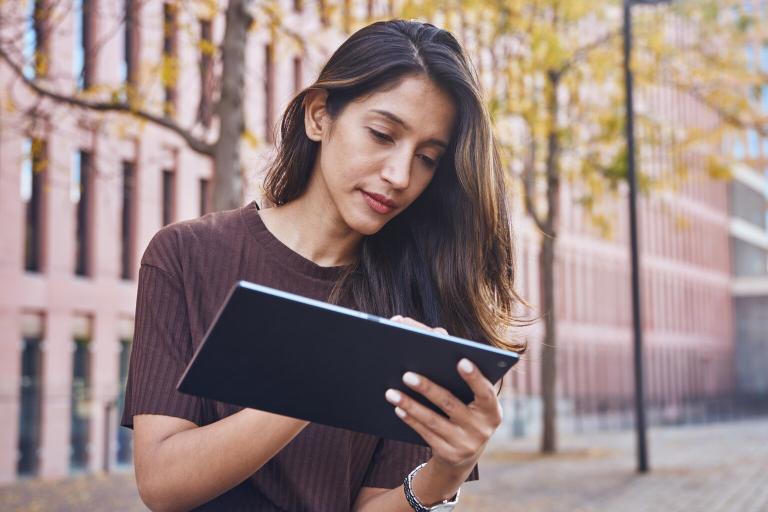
(393, 460)
(162, 347)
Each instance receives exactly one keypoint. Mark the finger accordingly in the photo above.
(415, 323)
(410, 321)
(424, 415)
(485, 398)
(437, 443)
(438, 395)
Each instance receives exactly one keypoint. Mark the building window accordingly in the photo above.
(33, 177)
(298, 79)
(169, 61)
(35, 40)
(81, 406)
(30, 406)
(207, 51)
(750, 57)
(83, 35)
(124, 437)
(322, 7)
(739, 152)
(204, 196)
(169, 196)
(130, 44)
(748, 260)
(346, 16)
(269, 85)
(753, 143)
(81, 194)
(126, 221)
(764, 57)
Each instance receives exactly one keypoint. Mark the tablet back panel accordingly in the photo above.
(286, 354)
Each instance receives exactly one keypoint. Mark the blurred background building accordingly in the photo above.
(749, 231)
(82, 193)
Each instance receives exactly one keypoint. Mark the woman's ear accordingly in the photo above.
(315, 115)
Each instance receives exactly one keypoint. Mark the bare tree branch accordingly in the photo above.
(195, 143)
(528, 186)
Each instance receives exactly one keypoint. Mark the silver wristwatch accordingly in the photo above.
(443, 506)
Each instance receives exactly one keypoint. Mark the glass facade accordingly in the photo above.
(169, 196)
(81, 407)
(33, 194)
(30, 407)
(126, 221)
(81, 194)
(124, 435)
(748, 260)
(748, 204)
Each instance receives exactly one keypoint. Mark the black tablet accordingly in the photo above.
(290, 355)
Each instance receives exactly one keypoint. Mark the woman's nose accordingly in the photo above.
(397, 170)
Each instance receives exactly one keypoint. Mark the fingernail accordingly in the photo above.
(393, 396)
(400, 412)
(466, 366)
(411, 379)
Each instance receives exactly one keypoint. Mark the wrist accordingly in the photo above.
(436, 483)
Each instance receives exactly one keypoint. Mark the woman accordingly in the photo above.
(389, 199)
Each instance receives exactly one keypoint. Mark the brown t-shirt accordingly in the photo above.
(186, 273)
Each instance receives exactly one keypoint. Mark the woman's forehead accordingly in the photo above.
(416, 104)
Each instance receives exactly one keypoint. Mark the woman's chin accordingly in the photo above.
(367, 226)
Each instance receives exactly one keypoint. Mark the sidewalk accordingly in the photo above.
(709, 468)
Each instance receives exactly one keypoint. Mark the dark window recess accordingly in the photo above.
(748, 260)
(124, 435)
(40, 60)
(346, 16)
(297, 74)
(33, 236)
(126, 221)
(322, 7)
(130, 46)
(86, 37)
(81, 407)
(170, 66)
(748, 204)
(83, 220)
(204, 196)
(168, 196)
(205, 107)
(30, 408)
(269, 85)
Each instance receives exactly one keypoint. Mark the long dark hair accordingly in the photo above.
(448, 259)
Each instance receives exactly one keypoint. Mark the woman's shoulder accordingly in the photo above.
(212, 233)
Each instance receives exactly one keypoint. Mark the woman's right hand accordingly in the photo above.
(457, 439)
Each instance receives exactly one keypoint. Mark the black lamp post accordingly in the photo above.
(640, 422)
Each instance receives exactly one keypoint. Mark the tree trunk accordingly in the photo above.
(547, 272)
(228, 179)
(549, 346)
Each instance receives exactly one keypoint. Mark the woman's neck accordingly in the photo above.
(322, 238)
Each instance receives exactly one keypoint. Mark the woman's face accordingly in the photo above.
(381, 152)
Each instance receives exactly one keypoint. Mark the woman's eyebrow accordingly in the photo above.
(396, 119)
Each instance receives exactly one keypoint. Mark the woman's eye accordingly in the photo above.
(382, 137)
(428, 161)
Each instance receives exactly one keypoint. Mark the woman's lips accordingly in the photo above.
(378, 203)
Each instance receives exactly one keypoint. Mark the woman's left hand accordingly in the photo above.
(458, 440)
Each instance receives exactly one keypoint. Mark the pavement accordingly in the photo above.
(706, 468)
